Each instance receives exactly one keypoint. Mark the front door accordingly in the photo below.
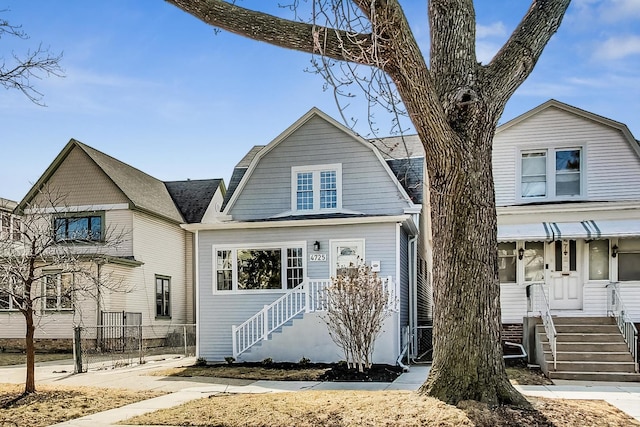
(346, 255)
(565, 286)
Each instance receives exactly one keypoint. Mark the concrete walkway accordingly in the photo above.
(625, 396)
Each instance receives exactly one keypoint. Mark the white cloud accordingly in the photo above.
(496, 29)
(620, 10)
(617, 48)
(485, 51)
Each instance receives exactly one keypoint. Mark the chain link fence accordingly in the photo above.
(423, 350)
(113, 346)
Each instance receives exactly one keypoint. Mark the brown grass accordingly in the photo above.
(51, 405)
(388, 408)
(526, 376)
(20, 358)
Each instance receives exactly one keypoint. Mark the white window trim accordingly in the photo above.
(283, 246)
(316, 169)
(332, 256)
(550, 151)
(11, 307)
(58, 275)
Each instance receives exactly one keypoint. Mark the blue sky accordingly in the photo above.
(158, 89)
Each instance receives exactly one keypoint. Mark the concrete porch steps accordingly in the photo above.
(588, 349)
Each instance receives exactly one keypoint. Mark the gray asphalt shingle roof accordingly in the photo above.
(192, 197)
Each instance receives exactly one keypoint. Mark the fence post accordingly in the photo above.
(141, 356)
(77, 349)
(184, 337)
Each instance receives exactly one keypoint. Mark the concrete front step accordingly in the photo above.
(583, 321)
(590, 356)
(589, 337)
(580, 347)
(595, 376)
(587, 329)
(573, 366)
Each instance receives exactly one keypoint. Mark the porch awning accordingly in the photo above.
(532, 232)
(616, 228)
(550, 231)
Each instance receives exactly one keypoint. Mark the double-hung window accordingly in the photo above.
(58, 291)
(316, 188)
(8, 289)
(87, 228)
(507, 262)
(553, 173)
(163, 296)
(258, 267)
(628, 254)
(11, 226)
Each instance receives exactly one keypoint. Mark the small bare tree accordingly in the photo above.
(20, 70)
(356, 310)
(46, 265)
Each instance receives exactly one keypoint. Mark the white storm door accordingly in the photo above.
(345, 255)
(565, 281)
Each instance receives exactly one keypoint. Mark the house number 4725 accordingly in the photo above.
(317, 257)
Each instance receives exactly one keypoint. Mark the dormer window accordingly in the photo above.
(316, 188)
(551, 174)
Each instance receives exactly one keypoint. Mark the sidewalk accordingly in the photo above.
(624, 396)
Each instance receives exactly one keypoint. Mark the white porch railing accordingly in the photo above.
(305, 297)
(617, 310)
(539, 302)
(309, 296)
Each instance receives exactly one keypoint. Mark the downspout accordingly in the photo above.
(413, 290)
(196, 305)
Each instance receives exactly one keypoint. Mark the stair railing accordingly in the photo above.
(617, 310)
(538, 301)
(305, 297)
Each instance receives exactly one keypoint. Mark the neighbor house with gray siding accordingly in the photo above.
(315, 201)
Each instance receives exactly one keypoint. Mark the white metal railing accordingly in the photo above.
(309, 296)
(617, 310)
(539, 302)
(305, 297)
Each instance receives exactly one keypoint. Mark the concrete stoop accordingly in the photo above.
(587, 349)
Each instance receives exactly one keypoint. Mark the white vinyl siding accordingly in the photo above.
(160, 245)
(612, 167)
(366, 185)
(220, 310)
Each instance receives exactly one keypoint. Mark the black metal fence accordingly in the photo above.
(116, 345)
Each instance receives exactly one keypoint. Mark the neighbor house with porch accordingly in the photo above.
(567, 185)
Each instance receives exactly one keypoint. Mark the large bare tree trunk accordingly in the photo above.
(454, 105)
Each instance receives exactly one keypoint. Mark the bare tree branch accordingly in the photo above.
(20, 72)
(515, 61)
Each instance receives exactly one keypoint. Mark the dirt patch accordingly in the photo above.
(283, 371)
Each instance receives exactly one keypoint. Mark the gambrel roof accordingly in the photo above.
(552, 103)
